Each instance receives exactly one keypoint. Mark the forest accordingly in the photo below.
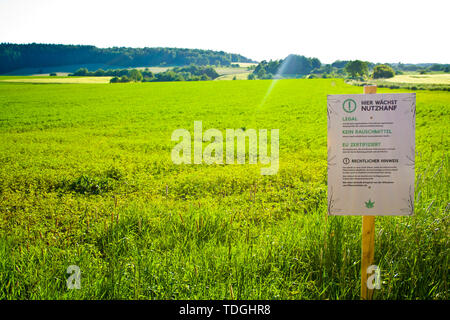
(34, 55)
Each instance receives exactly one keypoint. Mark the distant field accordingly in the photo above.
(228, 73)
(245, 64)
(239, 76)
(422, 78)
(46, 79)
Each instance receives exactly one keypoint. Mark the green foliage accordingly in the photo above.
(188, 73)
(16, 56)
(436, 67)
(169, 75)
(81, 72)
(86, 179)
(356, 68)
(292, 66)
(135, 75)
(383, 71)
(340, 64)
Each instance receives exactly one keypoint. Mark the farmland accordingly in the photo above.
(438, 78)
(86, 179)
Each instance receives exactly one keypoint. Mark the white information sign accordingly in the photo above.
(371, 154)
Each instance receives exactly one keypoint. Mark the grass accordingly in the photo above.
(86, 179)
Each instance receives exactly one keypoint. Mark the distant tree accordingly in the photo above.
(297, 65)
(436, 67)
(124, 79)
(383, 71)
(315, 63)
(52, 74)
(251, 76)
(356, 68)
(147, 74)
(99, 73)
(114, 80)
(340, 64)
(261, 72)
(135, 75)
(81, 72)
(169, 75)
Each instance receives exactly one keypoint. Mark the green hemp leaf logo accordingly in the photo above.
(369, 204)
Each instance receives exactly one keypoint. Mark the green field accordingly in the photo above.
(86, 179)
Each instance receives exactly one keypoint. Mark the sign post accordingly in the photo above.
(367, 238)
(371, 154)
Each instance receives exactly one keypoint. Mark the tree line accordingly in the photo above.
(298, 66)
(187, 73)
(36, 55)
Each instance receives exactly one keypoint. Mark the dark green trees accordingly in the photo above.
(356, 68)
(36, 55)
(383, 71)
(292, 66)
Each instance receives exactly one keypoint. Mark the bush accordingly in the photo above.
(383, 71)
(99, 73)
(124, 79)
(81, 72)
(135, 75)
(357, 68)
(52, 74)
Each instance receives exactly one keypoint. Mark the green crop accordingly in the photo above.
(86, 179)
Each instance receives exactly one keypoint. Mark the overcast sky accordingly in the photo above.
(377, 30)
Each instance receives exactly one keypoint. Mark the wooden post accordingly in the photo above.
(367, 238)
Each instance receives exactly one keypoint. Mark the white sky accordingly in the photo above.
(377, 30)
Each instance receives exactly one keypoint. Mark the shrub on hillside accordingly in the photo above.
(383, 71)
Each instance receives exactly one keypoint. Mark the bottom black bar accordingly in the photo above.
(218, 309)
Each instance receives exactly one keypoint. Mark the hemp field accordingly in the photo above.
(86, 179)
